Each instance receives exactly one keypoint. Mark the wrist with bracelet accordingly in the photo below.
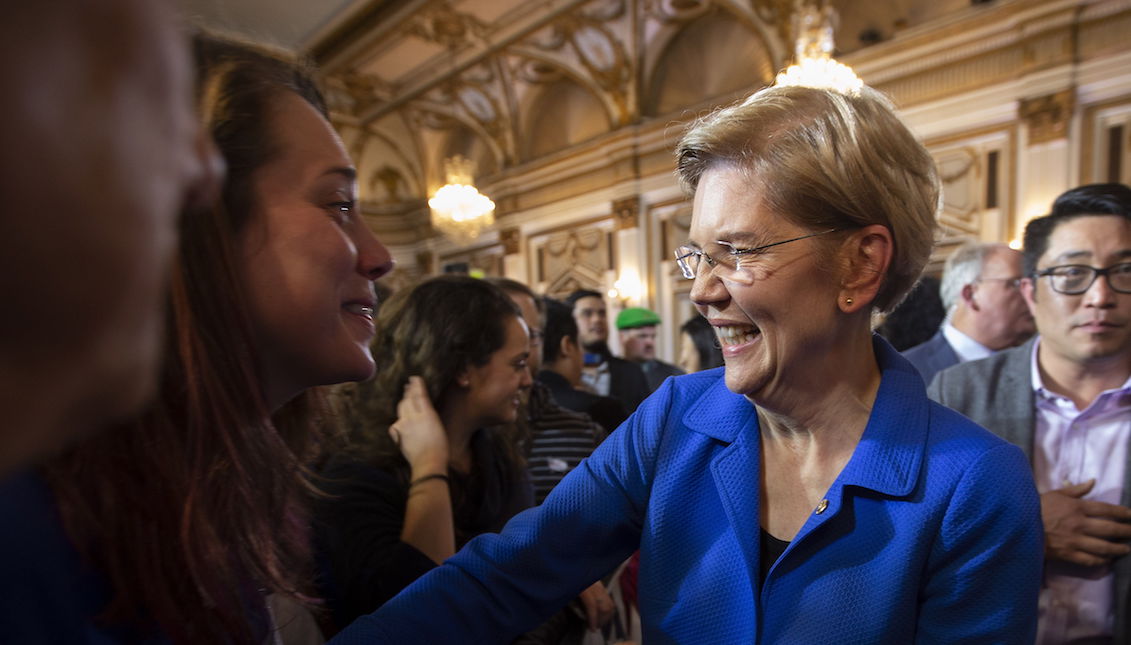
(421, 480)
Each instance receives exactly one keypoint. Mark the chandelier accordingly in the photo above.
(459, 210)
(814, 65)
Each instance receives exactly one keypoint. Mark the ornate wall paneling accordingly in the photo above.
(1106, 149)
(978, 47)
(671, 220)
(483, 260)
(1047, 117)
(579, 256)
(975, 170)
(1048, 165)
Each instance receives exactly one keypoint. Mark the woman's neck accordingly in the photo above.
(460, 427)
(829, 397)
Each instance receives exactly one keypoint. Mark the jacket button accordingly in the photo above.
(822, 506)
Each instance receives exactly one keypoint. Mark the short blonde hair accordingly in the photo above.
(823, 159)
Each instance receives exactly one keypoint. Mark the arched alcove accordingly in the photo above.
(559, 115)
(713, 55)
(465, 143)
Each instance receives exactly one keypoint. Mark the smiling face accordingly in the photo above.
(779, 309)
(494, 389)
(1095, 325)
(309, 259)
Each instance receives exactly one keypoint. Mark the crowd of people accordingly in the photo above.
(184, 467)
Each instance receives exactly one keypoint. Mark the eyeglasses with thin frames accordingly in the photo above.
(1008, 283)
(688, 258)
(1075, 279)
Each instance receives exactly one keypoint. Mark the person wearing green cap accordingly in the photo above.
(637, 327)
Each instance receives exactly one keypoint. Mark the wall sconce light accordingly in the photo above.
(626, 290)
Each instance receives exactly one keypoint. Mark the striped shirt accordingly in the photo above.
(559, 440)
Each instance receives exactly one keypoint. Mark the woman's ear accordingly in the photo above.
(867, 255)
(463, 379)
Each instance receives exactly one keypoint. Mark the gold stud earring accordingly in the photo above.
(848, 301)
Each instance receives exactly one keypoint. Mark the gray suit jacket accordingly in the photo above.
(997, 393)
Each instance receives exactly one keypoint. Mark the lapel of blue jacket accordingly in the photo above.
(891, 450)
(736, 469)
(887, 460)
(890, 454)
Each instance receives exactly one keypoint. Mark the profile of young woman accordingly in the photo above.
(174, 527)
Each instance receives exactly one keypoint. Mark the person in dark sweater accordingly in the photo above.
(426, 468)
(562, 366)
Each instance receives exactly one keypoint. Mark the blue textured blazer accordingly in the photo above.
(931, 534)
(932, 357)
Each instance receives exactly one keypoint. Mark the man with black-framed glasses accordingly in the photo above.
(1065, 398)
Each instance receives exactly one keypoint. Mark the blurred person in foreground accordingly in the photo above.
(981, 290)
(175, 526)
(810, 492)
(100, 153)
(1065, 399)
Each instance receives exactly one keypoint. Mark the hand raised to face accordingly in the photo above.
(419, 432)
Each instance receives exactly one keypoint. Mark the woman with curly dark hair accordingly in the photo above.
(426, 469)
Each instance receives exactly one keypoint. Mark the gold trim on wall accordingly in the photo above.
(1088, 173)
(1047, 117)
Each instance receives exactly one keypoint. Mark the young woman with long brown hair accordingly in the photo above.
(427, 468)
(179, 523)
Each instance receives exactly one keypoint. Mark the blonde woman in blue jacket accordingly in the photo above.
(807, 492)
